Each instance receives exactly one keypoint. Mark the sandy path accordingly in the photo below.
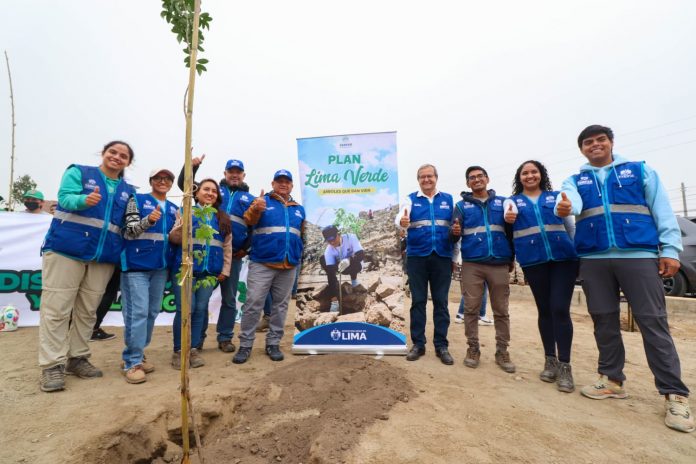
(455, 414)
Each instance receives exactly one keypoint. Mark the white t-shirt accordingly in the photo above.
(349, 246)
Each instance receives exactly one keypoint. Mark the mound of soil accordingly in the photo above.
(310, 411)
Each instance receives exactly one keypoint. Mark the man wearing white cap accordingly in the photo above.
(277, 222)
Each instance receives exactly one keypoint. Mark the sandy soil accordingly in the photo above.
(353, 409)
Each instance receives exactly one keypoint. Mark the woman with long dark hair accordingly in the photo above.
(215, 261)
(80, 251)
(544, 248)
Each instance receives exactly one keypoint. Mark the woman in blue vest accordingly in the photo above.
(145, 266)
(80, 251)
(544, 248)
(215, 261)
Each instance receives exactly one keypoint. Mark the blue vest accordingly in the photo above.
(235, 203)
(428, 231)
(92, 234)
(483, 230)
(278, 234)
(150, 250)
(212, 253)
(539, 235)
(614, 215)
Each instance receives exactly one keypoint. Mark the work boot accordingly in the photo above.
(678, 414)
(82, 368)
(273, 352)
(135, 374)
(550, 371)
(53, 379)
(263, 324)
(445, 356)
(195, 358)
(242, 355)
(502, 358)
(565, 383)
(473, 357)
(226, 346)
(416, 352)
(148, 367)
(604, 388)
(176, 360)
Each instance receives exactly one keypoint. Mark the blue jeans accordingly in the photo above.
(482, 311)
(141, 298)
(199, 313)
(434, 271)
(228, 308)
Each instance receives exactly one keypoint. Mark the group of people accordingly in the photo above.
(101, 224)
(625, 238)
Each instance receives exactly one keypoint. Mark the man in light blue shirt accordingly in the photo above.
(628, 239)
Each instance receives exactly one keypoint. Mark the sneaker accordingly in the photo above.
(242, 355)
(148, 367)
(135, 374)
(263, 324)
(99, 336)
(678, 414)
(273, 352)
(195, 358)
(484, 321)
(459, 319)
(550, 371)
(82, 368)
(604, 388)
(334, 307)
(473, 357)
(502, 358)
(565, 381)
(176, 360)
(226, 346)
(415, 353)
(53, 379)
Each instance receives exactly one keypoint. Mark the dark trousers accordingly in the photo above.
(436, 272)
(109, 297)
(640, 282)
(552, 285)
(352, 270)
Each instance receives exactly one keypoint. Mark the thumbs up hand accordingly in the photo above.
(259, 203)
(198, 160)
(404, 221)
(456, 228)
(93, 198)
(510, 215)
(154, 216)
(564, 207)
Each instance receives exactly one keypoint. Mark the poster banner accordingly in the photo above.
(21, 236)
(351, 290)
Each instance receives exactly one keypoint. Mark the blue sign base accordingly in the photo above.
(350, 337)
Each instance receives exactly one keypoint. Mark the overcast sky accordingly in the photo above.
(490, 83)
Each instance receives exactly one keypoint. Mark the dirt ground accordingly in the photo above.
(341, 408)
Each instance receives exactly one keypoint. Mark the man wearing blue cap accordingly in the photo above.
(277, 223)
(236, 199)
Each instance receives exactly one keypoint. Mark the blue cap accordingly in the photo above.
(234, 164)
(282, 173)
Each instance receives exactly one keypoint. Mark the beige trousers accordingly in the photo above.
(70, 290)
(498, 278)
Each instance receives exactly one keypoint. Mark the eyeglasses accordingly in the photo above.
(165, 179)
(477, 177)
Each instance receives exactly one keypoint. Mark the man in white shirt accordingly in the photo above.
(344, 255)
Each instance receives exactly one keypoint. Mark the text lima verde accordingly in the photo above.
(352, 176)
